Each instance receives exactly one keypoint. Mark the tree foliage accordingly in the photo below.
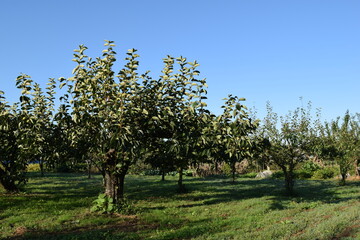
(232, 132)
(341, 143)
(112, 119)
(291, 142)
(15, 137)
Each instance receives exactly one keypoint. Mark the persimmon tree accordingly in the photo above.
(107, 107)
(342, 138)
(42, 146)
(232, 132)
(183, 114)
(290, 141)
(120, 114)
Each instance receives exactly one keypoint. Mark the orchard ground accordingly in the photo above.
(57, 206)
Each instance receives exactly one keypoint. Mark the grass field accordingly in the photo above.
(57, 207)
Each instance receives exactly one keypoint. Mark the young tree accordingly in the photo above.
(260, 151)
(291, 143)
(180, 114)
(343, 140)
(42, 127)
(232, 132)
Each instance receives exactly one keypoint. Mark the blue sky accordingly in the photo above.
(263, 50)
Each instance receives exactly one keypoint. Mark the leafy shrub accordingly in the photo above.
(79, 167)
(303, 174)
(140, 168)
(33, 167)
(326, 173)
(299, 174)
(310, 166)
(307, 170)
(103, 204)
(226, 169)
(151, 172)
(189, 173)
(173, 173)
(278, 174)
(248, 175)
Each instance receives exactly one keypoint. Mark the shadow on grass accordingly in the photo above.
(68, 191)
(203, 191)
(214, 191)
(63, 183)
(53, 192)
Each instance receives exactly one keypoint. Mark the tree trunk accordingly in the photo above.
(289, 181)
(343, 179)
(89, 169)
(8, 184)
(110, 183)
(162, 175)
(41, 164)
(114, 186)
(181, 186)
(114, 178)
(110, 179)
(121, 186)
(233, 170)
(216, 167)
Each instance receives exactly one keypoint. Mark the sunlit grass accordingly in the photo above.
(57, 207)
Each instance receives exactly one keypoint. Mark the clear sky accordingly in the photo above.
(263, 50)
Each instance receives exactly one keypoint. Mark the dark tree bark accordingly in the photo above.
(89, 168)
(181, 186)
(289, 180)
(121, 186)
(114, 177)
(8, 183)
(110, 179)
(343, 179)
(233, 171)
(162, 175)
(110, 183)
(216, 167)
(41, 164)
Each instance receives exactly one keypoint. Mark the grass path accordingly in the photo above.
(57, 207)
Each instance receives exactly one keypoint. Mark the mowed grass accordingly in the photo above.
(58, 207)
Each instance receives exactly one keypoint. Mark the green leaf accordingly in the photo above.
(62, 85)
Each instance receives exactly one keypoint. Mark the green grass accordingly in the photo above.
(57, 207)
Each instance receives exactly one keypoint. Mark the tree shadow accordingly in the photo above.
(306, 191)
(66, 193)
